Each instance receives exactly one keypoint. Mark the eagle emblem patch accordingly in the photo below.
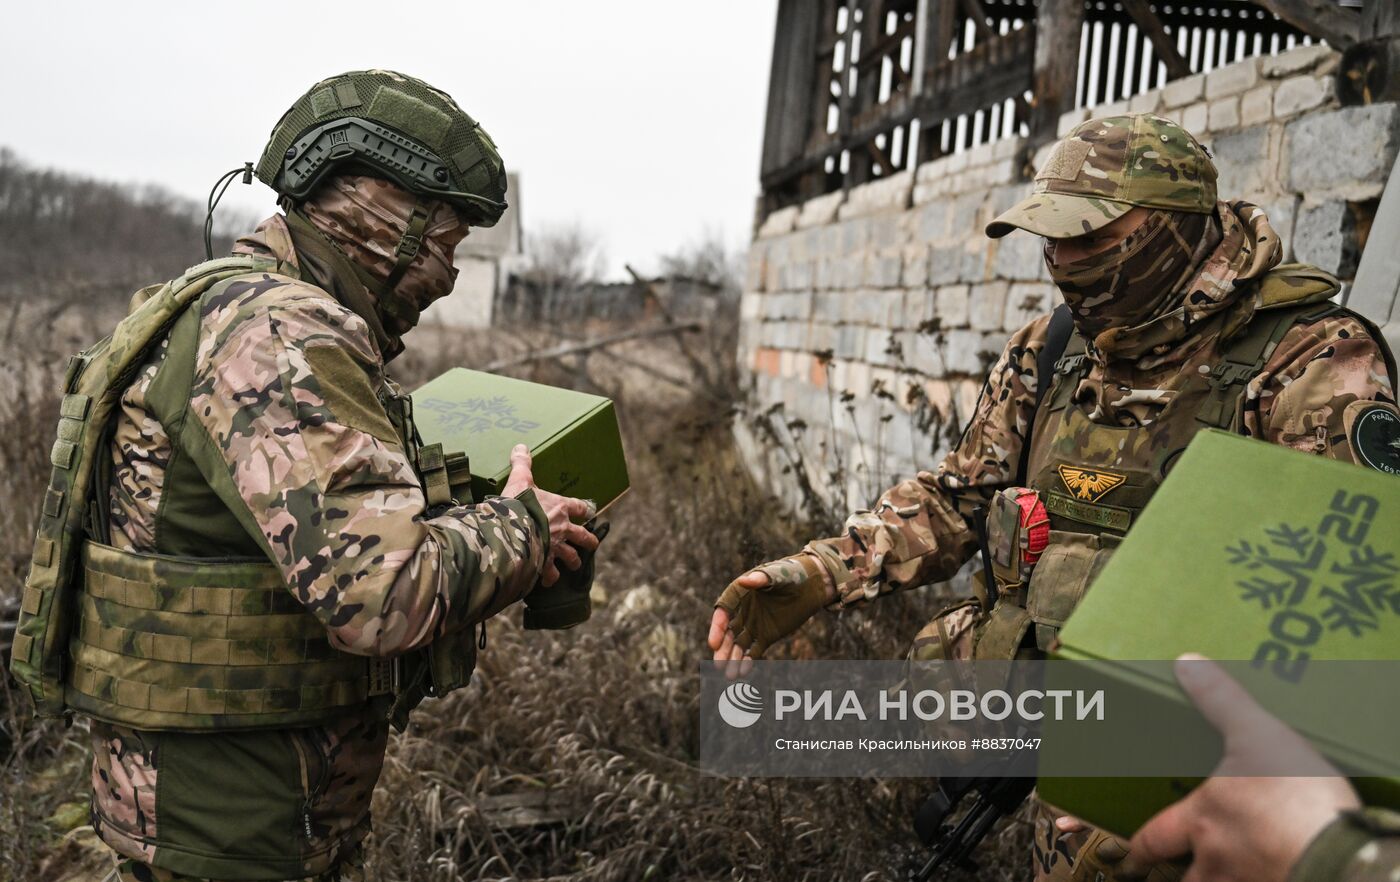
(1091, 485)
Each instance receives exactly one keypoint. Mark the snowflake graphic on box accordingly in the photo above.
(1339, 578)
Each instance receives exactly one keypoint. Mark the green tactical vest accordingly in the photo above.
(1095, 479)
(188, 641)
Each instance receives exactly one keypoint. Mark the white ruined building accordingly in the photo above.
(485, 261)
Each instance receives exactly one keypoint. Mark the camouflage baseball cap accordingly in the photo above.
(1104, 168)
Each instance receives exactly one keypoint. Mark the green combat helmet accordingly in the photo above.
(392, 126)
(1104, 168)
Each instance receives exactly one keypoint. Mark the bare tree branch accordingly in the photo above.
(589, 345)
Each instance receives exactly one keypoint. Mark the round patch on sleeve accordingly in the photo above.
(1375, 437)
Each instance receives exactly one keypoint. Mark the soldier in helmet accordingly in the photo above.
(1178, 316)
(274, 566)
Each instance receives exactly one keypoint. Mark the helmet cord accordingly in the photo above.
(225, 180)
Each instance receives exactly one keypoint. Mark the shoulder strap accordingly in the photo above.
(1244, 356)
(1057, 335)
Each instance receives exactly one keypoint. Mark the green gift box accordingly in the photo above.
(573, 437)
(1250, 552)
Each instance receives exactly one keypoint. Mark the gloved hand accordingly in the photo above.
(764, 605)
(567, 602)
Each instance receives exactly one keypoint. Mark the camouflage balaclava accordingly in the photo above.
(365, 217)
(1098, 173)
(1142, 277)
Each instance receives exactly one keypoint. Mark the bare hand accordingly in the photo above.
(565, 536)
(1240, 824)
(735, 660)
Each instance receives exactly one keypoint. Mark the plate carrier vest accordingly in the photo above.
(161, 642)
(1095, 479)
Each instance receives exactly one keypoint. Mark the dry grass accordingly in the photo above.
(43, 766)
(603, 716)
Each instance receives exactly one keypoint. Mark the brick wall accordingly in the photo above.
(870, 316)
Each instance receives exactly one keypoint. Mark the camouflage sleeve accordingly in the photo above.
(282, 386)
(918, 532)
(1359, 846)
(1326, 390)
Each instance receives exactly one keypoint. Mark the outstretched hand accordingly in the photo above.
(765, 605)
(565, 536)
(735, 659)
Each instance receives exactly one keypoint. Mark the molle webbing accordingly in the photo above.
(169, 643)
(1244, 357)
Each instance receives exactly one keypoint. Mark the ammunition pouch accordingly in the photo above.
(446, 664)
(1064, 572)
(443, 666)
(965, 632)
(949, 636)
(999, 638)
(961, 633)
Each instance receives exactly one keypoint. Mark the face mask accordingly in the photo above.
(1135, 280)
(366, 216)
(431, 276)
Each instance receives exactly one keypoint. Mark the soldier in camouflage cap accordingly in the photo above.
(263, 431)
(1106, 167)
(1178, 317)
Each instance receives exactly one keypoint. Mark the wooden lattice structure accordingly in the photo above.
(861, 89)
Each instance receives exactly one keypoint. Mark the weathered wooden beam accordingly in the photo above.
(1165, 47)
(1057, 30)
(942, 20)
(979, 18)
(887, 44)
(590, 345)
(1380, 18)
(1319, 18)
(879, 157)
(512, 811)
(790, 83)
(1376, 292)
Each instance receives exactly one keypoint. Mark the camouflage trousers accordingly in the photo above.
(1090, 855)
(352, 869)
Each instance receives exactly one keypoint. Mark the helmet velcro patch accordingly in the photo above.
(323, 102)
(407, 114)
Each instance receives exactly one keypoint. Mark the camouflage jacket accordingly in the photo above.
(1358, 847)
(341, 513)
(918, 531)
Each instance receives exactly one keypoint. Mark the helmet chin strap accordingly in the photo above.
(409, 244)
(395, 314)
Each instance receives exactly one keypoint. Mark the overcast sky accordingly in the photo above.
(640, 120)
